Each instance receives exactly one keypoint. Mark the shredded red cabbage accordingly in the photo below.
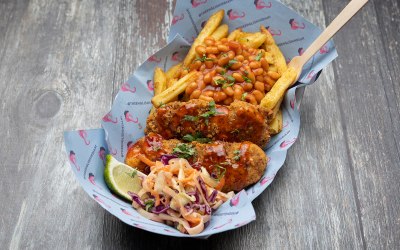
(212, 196)
(136, 198)
(160, 209)
(203, 186)
(165, 158)
(196, 195)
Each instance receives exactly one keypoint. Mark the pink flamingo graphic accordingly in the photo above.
(126, 211)
(83, 135)
(129, 117)
(126, 88)
(175, 57)
(266, 179)
(196, 3)
(233, 14)
(150, 85)
(301, 51)
(102, 154)
(285, 125)
(72, 159)
(285, 144)
(324, 49)
(97, 198)
(293, 102)
(235, 200)
(220, 226)
(154, 59)
(138, 226)
(295, 26)
(274, 32)
(91, 180)
(109, 118)
(260, 4)
(311, 75)
(169, 231)
(177, 18)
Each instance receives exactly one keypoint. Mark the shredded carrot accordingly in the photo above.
(145, 160)
(221, 183)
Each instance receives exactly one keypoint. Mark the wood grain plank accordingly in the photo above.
(54, 76)
(368, 95)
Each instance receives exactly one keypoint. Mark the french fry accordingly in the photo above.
(277, 92)
(276, 109)
(171, 81)
(172, 92)
(160, 81)
(276, 124)
(220, 32)
(233, 34)
(173, 72)
(211, 25)
(273, 49)
(251, 40)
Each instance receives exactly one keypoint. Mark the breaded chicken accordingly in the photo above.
(241, 164)
(240, 121)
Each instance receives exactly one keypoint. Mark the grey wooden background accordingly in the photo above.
(59, 60)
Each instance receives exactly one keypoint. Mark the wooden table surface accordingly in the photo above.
(61, 63)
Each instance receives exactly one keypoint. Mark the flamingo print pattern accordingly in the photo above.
(83, 135)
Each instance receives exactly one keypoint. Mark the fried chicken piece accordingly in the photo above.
(240, 121)
(243, 163)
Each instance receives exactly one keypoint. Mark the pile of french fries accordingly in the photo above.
(168, 86)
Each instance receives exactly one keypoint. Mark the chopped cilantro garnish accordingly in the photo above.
(220, 81)
(230, 63)
(161, 104)
(184, 150)
(246, 72)
(259, 55)
(204, 58)
(244, 96)
(230, 78)
(227, 85)
(190, 118)
(134, 173)
(196, 137)
(219, 171)
(222, 72)
(246, 79)
(236, 156)
(149, 204)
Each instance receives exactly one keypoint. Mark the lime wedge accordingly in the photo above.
(121, 178)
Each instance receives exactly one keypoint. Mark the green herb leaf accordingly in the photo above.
(190, 118)
(259, 56)
(156, 147)
(230, 63)
(227, 85)
(220, 81)
(148, 204)
(184, 150)
(196, 137)
(246, 79)
(134, 173)
(244, 96)
(219, 171)
(236, 156)
(204, 58)
(161, 104)
(246, 72)
(230, 78)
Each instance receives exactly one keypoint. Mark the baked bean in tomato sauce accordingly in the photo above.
(230, 71)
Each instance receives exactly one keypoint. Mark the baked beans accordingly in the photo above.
(230, 71)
